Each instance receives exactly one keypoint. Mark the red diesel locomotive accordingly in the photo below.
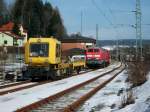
(96, 57)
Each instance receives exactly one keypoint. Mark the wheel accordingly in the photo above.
(55, 74)
(78, 70)
(69, 71)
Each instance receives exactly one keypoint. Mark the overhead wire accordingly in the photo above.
(110, 22)
(104, 15)
(101, 12)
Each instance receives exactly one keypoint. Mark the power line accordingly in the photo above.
(101, 12)
(109, 21)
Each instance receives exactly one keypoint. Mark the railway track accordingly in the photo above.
(7, 84)
(70, 99)
(17, 86)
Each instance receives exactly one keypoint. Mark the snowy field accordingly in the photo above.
(142, 102)
(108, 99)
(25, 97)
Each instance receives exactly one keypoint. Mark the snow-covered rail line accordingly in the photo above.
(7, 84)
(17, 86)
(57, 103)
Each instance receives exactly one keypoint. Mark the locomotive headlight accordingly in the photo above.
(97, 56)
(89, 55)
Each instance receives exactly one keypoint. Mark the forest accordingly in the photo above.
(38, 18)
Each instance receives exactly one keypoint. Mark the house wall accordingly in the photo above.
(4, 37)
(23, 33)
(20, 42)
(10, 40)
(68, 46)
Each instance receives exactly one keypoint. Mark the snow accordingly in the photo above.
(5, 83)
(142, 102)
(111, 48)
(25, 97)
(107, 99)
(15, 87)
(13, 66)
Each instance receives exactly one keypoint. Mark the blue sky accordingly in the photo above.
(110, 12)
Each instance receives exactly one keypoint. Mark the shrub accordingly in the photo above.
(137, 72)
(127, 98)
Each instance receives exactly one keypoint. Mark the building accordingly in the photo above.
(76, 44)
(7, 38)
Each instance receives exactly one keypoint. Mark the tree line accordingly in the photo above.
(38, 18)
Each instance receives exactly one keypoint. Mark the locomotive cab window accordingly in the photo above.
(39, 49)
(90, 50)
(96, 50)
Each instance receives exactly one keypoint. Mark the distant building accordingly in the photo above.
(76, 42)
(7, 38)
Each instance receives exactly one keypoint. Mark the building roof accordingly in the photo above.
(78, 39)
(14, 35)
(7, 27)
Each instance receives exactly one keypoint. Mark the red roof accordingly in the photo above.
(7, 27)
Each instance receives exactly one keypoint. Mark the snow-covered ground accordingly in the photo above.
(25, 97)
(108, 99)
(13, 66)
(142, 102)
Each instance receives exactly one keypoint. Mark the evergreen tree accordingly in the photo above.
(39, 19)
(47, 11)
(4, 18)
(33, 13)
(55, 27)
(16, 29)
(17, 11)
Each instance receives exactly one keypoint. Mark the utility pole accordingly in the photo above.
(81, 22)
(117, 50)
(97, 29)
(138, 29)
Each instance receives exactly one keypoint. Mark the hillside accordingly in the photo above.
(129, 42)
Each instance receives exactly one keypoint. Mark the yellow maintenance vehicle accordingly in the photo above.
(43, 59)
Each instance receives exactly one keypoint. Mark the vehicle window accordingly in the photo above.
(82, 58)
(90, 50)
(39, 49)
(58, 51)
(96, 50)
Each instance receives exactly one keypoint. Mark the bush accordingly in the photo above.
(137, 72)
(127, 98)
